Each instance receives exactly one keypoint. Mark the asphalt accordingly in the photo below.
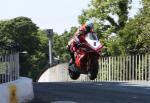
(90, 92)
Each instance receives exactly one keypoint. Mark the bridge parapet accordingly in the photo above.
(130, 68)
(13, 88)
(9, 63)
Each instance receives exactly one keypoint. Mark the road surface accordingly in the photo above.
(69, 92)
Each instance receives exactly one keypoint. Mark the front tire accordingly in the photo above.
(93, 71)
(73, 72)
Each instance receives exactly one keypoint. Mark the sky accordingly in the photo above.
(58, 15)
(136, 5)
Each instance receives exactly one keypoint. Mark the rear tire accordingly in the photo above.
(73, 72)
(93, 71)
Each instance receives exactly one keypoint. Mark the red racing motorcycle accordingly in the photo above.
(86, 57)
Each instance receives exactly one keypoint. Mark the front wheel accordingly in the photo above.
(93, 70)
(73, 72)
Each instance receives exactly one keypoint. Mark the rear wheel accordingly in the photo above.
(93, 71)
(73, 72)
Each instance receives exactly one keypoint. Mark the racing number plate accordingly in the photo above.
(94, 43)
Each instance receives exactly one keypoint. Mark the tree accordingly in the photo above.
(104, 13)
(40, 58)
(23, 31)
(135, 37)
(60, 42)
(5, 31)
(110, 16)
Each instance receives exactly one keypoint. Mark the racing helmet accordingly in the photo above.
(89, 26)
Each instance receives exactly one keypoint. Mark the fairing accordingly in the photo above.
(93, 41)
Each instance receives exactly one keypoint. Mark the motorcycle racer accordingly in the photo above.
(75, 41)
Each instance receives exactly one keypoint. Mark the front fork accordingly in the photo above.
(88, 62)
(90, 58)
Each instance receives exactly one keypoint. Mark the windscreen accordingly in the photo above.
(92, 36)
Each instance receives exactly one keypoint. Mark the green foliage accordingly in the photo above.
(111, 17)
(23, 31)
(113, 46)
(5, 27)
(40, 58)
(103, 12)
(59, 46)
(60, 42)
(135, 37)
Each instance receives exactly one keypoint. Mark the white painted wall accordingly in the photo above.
(24, 90)
(4, 93)
(58, 73)
(55, 74)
